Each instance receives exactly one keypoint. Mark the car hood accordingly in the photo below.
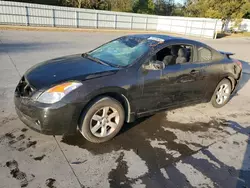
(74, 67)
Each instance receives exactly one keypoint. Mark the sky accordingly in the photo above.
(179, 1)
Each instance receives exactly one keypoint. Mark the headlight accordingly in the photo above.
(57, 92)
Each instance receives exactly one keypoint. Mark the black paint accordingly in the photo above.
(73, 67)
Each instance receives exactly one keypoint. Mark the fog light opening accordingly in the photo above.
(38, 122)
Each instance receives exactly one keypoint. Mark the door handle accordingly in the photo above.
(194, 71)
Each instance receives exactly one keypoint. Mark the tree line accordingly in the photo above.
(222, 9)
(156, 7)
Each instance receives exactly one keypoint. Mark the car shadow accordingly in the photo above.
(128, 126)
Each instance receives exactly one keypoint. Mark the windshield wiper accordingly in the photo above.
(94, 59)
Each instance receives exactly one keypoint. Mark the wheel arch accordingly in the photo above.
(230, 78)
(120, 96)
(232, 81)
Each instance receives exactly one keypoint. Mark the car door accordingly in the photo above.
(182, 83)
(149, 81)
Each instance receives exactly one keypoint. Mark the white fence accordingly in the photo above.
(16, 13)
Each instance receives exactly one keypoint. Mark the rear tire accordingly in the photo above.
(222, 93)
(102, 120)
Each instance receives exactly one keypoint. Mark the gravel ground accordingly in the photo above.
(196, 146)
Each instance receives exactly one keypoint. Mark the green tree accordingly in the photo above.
(160, 7)
(94, 4)
(121, 5)
(90, 4)
(247, 15)
(164, 7)
(144, 6)
(196, 8)
(224, 9)
(46, 2)
(178, 10)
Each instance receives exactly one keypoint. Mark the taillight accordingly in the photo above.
(239, 64)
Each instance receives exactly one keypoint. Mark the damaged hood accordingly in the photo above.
(74, 67)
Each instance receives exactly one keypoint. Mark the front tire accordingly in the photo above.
(102, 120)
(222, 93)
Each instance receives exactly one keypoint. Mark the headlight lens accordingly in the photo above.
(57, 92)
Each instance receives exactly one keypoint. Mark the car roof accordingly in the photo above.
(167, 38)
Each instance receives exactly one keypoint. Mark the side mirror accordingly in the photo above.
(154, 65)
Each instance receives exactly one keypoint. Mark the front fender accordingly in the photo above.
(118, 93)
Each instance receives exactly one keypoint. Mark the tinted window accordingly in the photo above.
(204, 54)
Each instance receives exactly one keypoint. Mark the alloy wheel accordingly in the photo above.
(104, 121)
(222, 94)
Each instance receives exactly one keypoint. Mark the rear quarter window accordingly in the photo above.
(206, 54)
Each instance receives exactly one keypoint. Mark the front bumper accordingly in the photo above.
(53, 119)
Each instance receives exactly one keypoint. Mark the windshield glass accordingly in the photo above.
(123, 51)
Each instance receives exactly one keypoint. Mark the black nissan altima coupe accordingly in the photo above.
(124, 79)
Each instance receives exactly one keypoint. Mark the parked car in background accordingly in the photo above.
(132, 76)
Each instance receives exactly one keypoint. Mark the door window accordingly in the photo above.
(175, 54)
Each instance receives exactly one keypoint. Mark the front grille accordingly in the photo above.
(24, 89)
